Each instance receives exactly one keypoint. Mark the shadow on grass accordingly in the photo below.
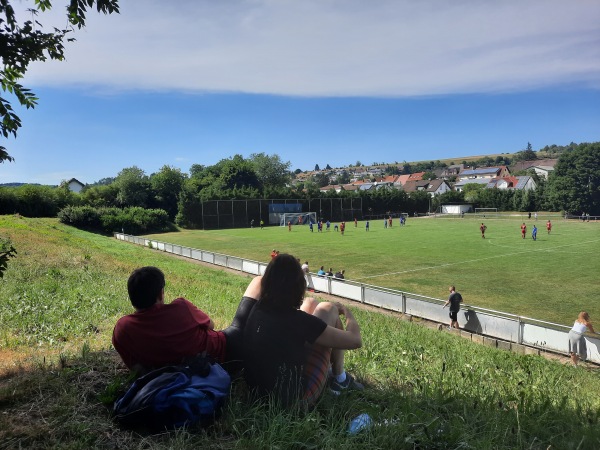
(69, 404)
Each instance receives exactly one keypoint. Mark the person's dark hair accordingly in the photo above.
(144, 286)
(283, 283)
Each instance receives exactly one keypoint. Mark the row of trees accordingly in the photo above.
(573, 187)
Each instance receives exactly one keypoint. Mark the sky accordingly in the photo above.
(314, 81)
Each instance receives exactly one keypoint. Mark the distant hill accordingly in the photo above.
(17, 184)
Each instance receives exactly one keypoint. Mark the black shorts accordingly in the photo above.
(453, 316)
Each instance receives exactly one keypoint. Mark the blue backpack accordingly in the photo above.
(175, 396)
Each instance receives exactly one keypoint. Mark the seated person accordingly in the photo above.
(329, 273)
(321, 272)
(340, 274)
(158, 334)
(289, 343)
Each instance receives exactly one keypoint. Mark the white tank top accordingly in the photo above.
(579, 327)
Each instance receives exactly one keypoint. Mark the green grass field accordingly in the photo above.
(425, 389)
(550, 279)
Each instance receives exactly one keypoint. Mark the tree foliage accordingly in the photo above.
(270, 170)
(24, 43)
(133, 187)
(574, 185)
(166, 185)
(7, 251)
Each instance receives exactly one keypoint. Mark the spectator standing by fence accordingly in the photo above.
(454, 300)
(577, 345)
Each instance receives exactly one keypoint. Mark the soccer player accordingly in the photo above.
(289, 225)
(367, 225)
(549, 226)
(482, 228)
(534, 233)
(523, 230)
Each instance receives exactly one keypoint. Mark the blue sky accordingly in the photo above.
(316, 82)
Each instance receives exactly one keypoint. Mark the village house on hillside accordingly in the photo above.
(75, 185)
(484, 172)
(433, 187)
(363, 178)
(542, 167)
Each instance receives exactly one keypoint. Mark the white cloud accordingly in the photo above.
(335, 47)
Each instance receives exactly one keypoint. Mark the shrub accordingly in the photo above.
(134, 220)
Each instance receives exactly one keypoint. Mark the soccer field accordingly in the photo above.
(552, 278)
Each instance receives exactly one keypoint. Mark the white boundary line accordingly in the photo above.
(475, 260)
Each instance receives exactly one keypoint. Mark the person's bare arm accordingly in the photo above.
(347, 339)
(253, 289)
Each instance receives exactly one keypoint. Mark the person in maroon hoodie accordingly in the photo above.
(160, 334)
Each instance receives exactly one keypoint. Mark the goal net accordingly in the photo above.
(297, 218)
(485, 210)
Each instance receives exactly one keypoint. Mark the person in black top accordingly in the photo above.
(339, 274)
(290, 342)
(454, 300)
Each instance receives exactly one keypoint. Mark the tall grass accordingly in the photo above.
(425, 389)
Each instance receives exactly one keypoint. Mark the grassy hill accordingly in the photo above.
(425, 389)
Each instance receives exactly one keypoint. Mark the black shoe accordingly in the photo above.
(350, 383)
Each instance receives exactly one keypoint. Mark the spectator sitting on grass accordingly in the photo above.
(160, 334)
(289, 342)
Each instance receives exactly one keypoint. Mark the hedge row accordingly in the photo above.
(134, 220)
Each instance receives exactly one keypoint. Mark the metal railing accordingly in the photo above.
(518, 330)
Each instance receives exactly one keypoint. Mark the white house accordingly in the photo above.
(75, 185)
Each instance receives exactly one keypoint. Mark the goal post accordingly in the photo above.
(297, 218)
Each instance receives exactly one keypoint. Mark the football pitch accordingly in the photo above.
(552, 278)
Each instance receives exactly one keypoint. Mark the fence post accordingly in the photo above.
(362, 293)
(520, 333)
(403, 303)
